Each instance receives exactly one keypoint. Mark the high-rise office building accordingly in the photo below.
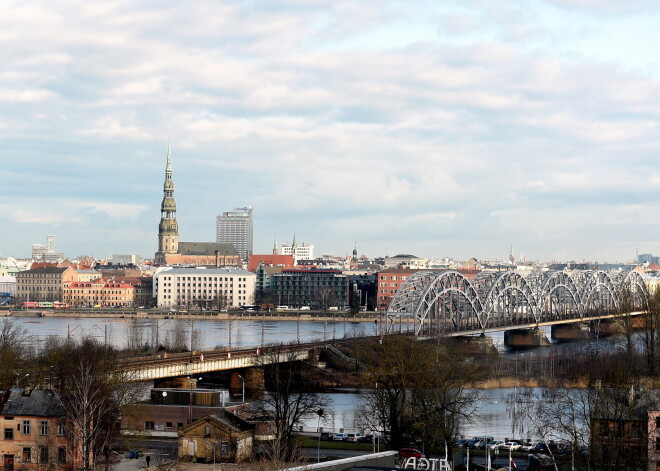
(46, 253)
(235, 227)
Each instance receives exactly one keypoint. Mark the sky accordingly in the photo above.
(441, 129)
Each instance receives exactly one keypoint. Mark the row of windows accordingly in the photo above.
(394, 277)
(44, 454)
(44, 427)
(203, 278)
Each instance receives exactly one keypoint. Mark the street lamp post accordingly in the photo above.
(318, 429)
(243, 394)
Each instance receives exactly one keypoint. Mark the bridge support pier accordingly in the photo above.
(569, 332)
(475, 345)
(254, 381)
(520, 339)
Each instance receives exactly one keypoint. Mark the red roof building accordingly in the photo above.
(269, 260)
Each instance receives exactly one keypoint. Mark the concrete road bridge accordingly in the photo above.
(167, 365)
(447, 303)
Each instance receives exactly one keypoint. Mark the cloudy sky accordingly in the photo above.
(453, 128)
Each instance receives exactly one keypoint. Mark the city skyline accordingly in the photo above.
(438, 130)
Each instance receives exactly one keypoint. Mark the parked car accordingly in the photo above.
(410, 453)
(529, 446)
(370, 438)
(352, 437)
(479, 442)
(462, 443)
(540, 447)
(493, 444)
(339, 437)
(326, 436)
(510, 446)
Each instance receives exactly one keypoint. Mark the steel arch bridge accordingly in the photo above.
(446, 302)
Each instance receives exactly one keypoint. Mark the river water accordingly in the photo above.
(493, 418)
(208, 334)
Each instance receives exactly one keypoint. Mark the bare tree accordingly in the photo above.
(418, 392)
(290, 397)
(92, 389)
(325, 297)
(13, 347)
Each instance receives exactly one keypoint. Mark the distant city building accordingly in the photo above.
(390, 280)
(126, 260)
(43, 284)
(264, 279)
(200, 287)
(171, 251)
(98, 293)
(46, 253)
(318, 289)
(299, 252)
(236, 228)
(270, 260)
(405, 261)
(647, 258)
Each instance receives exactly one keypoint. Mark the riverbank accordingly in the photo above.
(121, 314)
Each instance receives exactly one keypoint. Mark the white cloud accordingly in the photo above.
(454, 118)
(35, 217)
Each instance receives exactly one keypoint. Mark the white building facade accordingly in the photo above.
(204, 287)
(302, 252)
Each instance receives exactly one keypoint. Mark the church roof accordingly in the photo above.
(206, 248)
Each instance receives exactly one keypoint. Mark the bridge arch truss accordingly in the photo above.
(437, 302)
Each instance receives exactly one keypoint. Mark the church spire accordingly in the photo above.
(168, 229)
(275, 252)
(168, 168)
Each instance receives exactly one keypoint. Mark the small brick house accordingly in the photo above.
(223, 434)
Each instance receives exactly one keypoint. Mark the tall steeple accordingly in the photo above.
(275, 251)
(168, 229)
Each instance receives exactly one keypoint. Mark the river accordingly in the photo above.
(493, 418)
(208, 333)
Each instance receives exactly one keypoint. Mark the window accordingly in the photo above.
(26, 427)
(179, 424)
(27, 454)
(43, 454)
(44, 427)
(149, 425)
(657, 422)
(168, 424)
(61, 455)
(657, 443)
(61, 427)
(207, 430)
(9, 434)
(604, 429)
(224, 448)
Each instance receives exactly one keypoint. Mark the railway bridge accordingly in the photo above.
(447, 303)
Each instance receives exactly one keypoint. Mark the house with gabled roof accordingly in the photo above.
(221, 437)
(34, 432)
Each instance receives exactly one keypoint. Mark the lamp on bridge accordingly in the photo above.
(243, 395)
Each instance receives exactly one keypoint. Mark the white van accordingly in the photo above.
(282, 308)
